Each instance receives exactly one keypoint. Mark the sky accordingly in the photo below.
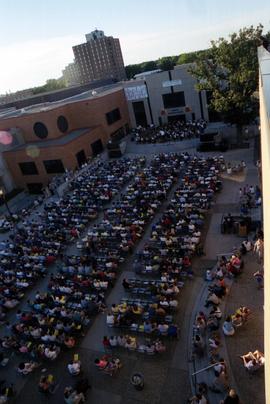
(36, 37)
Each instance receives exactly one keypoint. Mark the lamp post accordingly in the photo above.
(2, 196)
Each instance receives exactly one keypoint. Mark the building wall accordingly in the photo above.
(195, 102)
(80, 114)
(264, 91)
(66, 153)
(93, 112)
(156, 89)
(191, 94)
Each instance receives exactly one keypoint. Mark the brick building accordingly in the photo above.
(62, 135)
(100, 57)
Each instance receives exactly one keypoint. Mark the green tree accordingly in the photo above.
(190, 57)
(131, 70)
(51, 85)
(148, 66)
(167, 62)
(229, 70)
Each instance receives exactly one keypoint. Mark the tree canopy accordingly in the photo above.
(190, 57)
(229, 70)
(164, 63)
(51, 85)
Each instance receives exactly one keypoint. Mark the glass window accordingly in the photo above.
(40, 130)
(62, 124)
(174, 100)
(113, 116)
(54, 166)
(28, 168)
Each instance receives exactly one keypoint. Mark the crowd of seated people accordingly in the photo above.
(177, 130)
(143, 317)
(209, 325)
(229, 266)
(37, 243)
(153, 316)
(167, 287)
(89, 193)
(207, 343)
(59, 317)
(249, 197)
(176, 237)
(132, 343)
(108, 364)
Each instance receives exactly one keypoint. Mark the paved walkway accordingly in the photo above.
(242, 292)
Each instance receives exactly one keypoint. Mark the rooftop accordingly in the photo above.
(97, 92)
(60, 141)
(147, 73)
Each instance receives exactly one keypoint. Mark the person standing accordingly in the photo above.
(231, 398)
(258, 249)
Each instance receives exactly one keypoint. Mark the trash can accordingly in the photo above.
(137, 381)
(242, 231)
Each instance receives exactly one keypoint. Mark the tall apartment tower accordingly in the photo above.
(71, 74)
(99, 58)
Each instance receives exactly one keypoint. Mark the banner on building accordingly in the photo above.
(136, 92)
(171, 83)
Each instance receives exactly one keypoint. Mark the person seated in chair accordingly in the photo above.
(126, 284)
(25, 368)
(212, 299)
(237, 320)
(71, 396)
(234, 266)
(198, 345)
(74, 367)
(102, 363)
(228, 328)
(253, 360)
(46, 384)
(69, 342)
(218, 289)
(51, 352)
(173, 331)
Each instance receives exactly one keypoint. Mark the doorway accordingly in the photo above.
(97, 147)
(139, 112)
(81, 158)
(179, 117)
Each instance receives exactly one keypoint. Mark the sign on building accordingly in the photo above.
(171, 83)
(136, 92)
